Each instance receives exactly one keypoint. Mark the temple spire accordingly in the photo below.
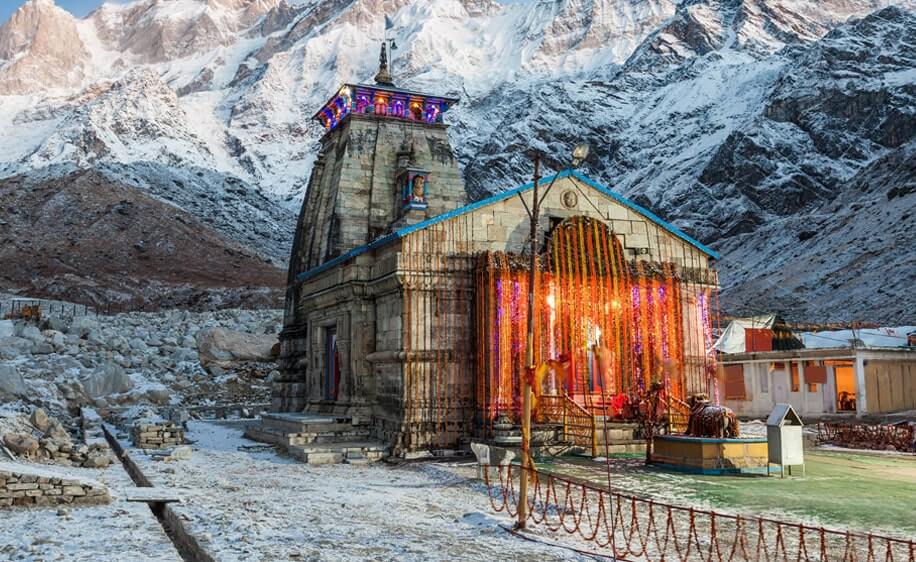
(383, 77)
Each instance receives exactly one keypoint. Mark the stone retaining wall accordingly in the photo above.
(20, 487)
(158, 435)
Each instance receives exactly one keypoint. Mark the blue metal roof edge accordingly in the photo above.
(379, 242)
(648, 214)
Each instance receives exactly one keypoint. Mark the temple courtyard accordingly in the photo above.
(241, 500)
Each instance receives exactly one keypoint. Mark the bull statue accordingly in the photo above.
(709, 420)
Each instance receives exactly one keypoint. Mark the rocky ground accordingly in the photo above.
(130, 362)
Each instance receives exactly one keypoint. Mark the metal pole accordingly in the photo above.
(529, 355)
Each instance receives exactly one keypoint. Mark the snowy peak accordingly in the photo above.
(135, 119)
(162, 30)
(40, 48)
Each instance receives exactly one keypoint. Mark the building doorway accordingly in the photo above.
(781, 382)
(331, 374)
(845, 388)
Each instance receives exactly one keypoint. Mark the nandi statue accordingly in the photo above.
(709, 420)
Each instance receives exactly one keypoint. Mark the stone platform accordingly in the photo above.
(613, 437)
(621, 437)
(702, 455)
(318, 439)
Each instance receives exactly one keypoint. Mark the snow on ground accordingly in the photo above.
(117, 532)
(262, 506)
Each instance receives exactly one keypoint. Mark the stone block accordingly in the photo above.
(325, 458)
(74, 491)
(617, 212)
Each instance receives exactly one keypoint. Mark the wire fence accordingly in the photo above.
(633, 528)
(16, 307)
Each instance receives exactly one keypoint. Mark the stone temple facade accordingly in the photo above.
(383, 321)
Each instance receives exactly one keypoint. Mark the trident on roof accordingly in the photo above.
(383, 77)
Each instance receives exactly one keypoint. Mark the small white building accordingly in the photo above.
(819, 380)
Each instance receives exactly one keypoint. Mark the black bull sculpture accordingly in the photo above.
(709, 420)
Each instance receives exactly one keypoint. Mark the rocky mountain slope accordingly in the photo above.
(776, 130)
(84, 237)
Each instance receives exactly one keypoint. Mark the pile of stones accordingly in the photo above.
(51, 443)
(21, 486)
(137, 359)
(156, 434)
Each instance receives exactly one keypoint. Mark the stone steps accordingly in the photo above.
(317, 439)
(622, 446)
(302, 423)
(336, 453)
(329, 437)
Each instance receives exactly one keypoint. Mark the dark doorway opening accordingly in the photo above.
(331, 364)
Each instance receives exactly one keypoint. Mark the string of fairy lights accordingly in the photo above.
(613, 323)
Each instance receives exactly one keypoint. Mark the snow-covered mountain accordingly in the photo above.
(780, 131)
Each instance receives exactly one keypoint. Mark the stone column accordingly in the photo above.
(861, 389)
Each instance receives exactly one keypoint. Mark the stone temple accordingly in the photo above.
(406, 302)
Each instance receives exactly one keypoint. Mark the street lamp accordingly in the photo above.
(579, 154)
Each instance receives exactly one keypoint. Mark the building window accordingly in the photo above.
(795, 380)
(764, 383)
(734, 383)
(812, 387)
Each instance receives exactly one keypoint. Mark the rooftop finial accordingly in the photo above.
(383, 78)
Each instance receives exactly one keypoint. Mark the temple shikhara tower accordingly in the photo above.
(406, 308)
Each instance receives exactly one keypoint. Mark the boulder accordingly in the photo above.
(158, 395)
(181, 453)
(7, 329)
(55, 338)
(227, 348)
(106, 380)
(13, 347)
(82, 325)
(66, 363)
(20, 443)
(138, 344)
(40, 420)
(58, 323)
(97, 460)
(29, 332)
(12, 384)
(57, 433)
(96, 337)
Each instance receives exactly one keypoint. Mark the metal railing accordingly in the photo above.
(629, 527)
(579, 425)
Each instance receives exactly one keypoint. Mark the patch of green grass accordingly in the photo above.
(858, 491)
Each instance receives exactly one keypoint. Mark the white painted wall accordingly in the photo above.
(765, 388)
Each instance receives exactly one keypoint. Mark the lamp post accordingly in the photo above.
(579, 154)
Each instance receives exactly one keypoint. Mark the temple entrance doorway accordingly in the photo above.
(331, 374)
